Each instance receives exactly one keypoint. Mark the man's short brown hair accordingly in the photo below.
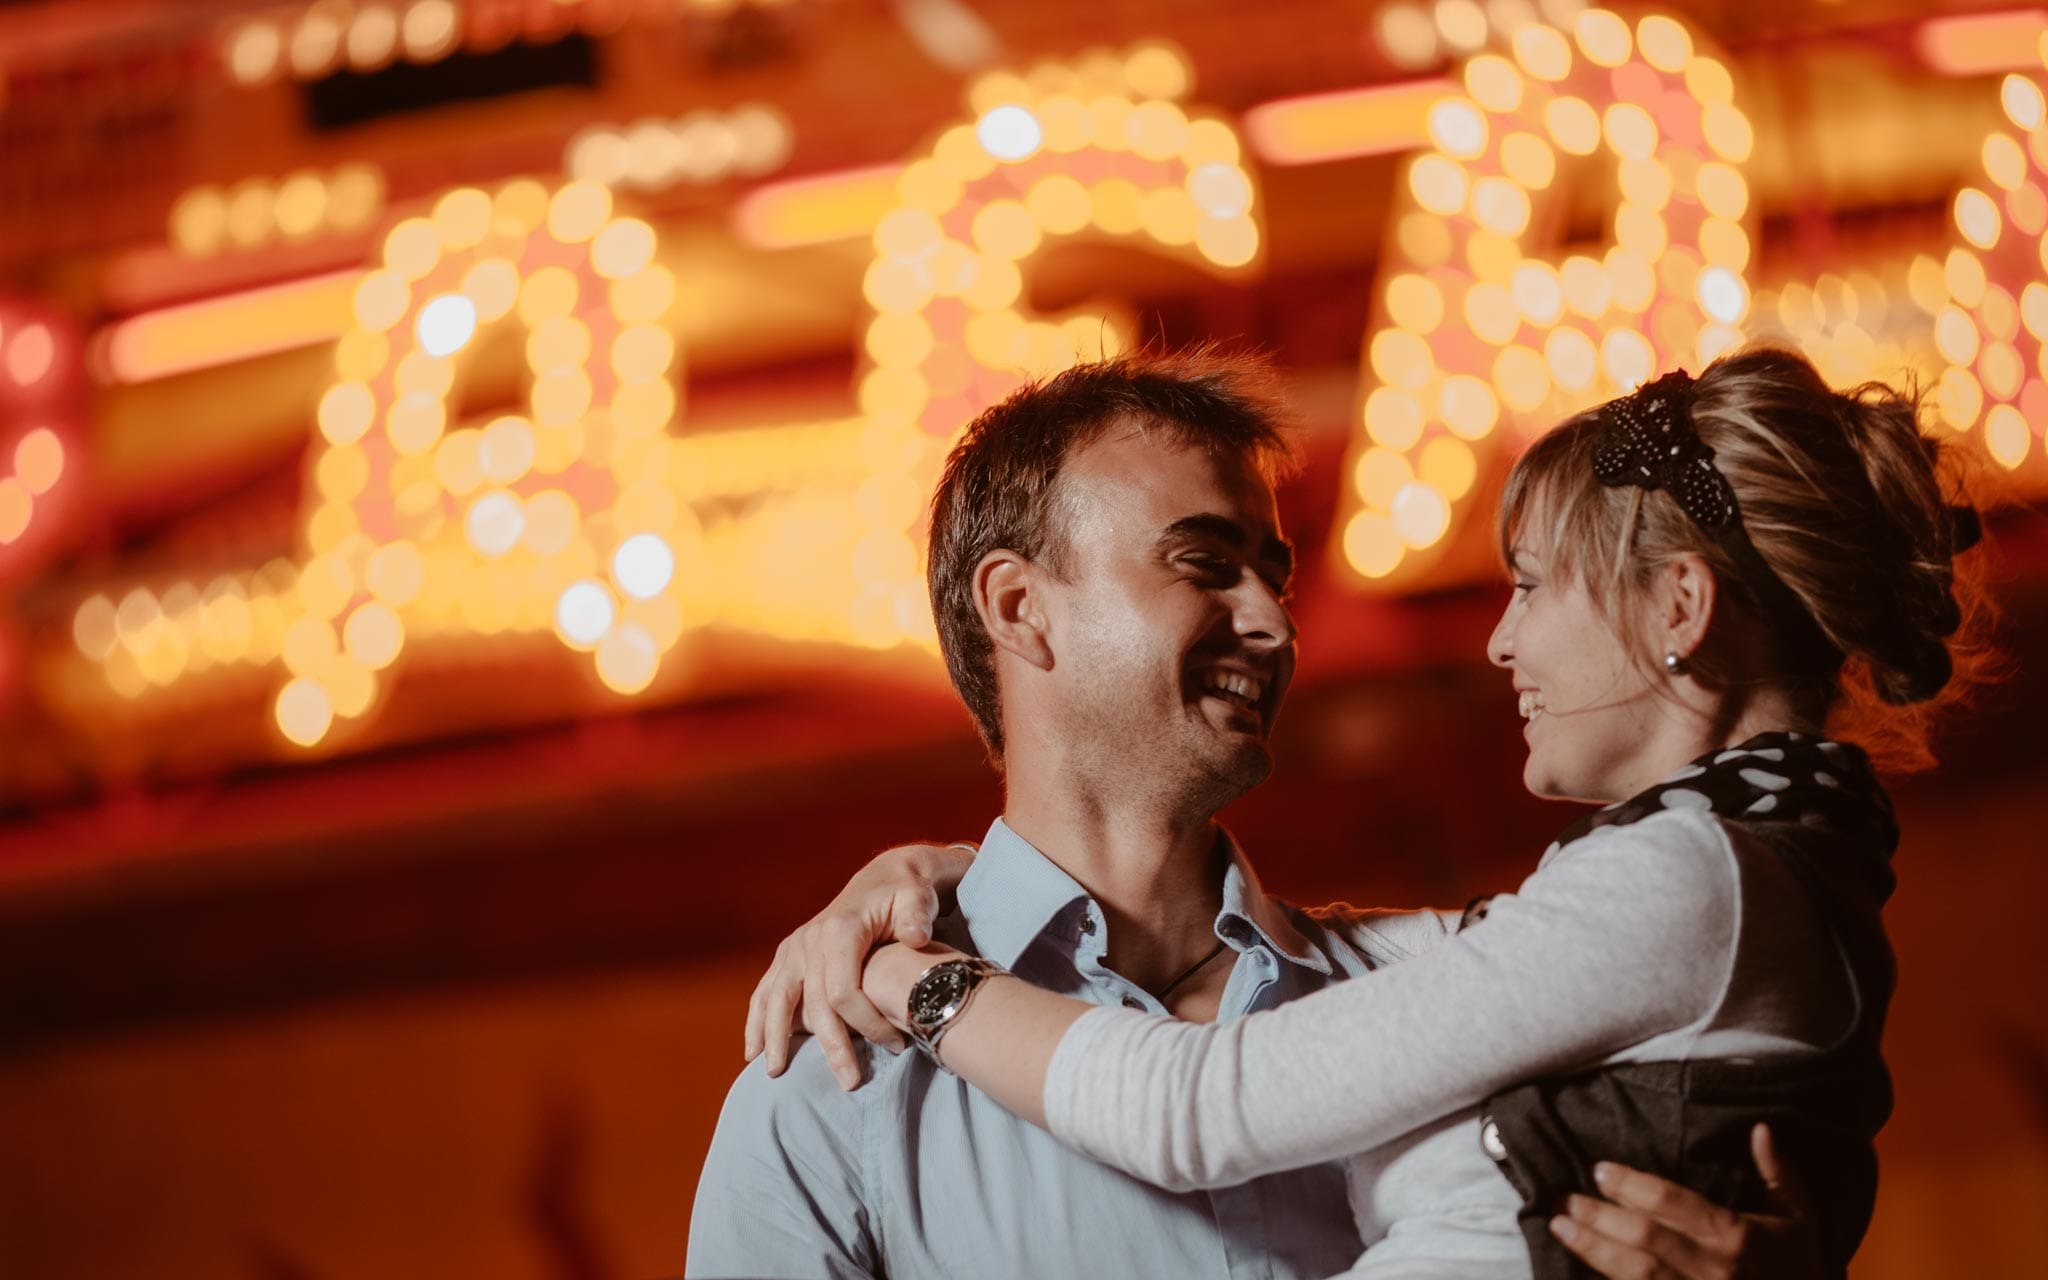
(1000, 487)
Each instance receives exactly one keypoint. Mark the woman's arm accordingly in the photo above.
(1628, 935)
(1387, 936)
(813, 983)
(1016, 1027)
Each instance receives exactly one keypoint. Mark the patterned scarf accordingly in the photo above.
(1810, 783)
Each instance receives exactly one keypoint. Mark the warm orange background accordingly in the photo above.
(462, 995)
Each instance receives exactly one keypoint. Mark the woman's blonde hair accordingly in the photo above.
(1843, 555)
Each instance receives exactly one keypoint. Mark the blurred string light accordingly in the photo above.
(217, 331)
(1977, 44)
(1477, 327)
(1854, 325)
(312, 41)
(702, 147)
(818, 208)
(1100, 146)
(339, 35)
(1345, 124)
(1988, 297)
(34, 469)
(211, 219)
(1094, 147)
(38, 423)
(148, 637)
(576, 516)
(1417, 34)
(416, 525)
(579, 516)
(950, 33)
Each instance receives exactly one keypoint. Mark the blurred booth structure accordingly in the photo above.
(462, 466)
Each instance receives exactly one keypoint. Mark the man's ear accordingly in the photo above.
(1687, 609)
(1007, 596)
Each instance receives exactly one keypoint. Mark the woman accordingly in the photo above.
(1707, 575)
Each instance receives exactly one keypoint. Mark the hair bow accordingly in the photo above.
(1647, 440)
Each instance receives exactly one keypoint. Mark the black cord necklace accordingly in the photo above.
(1190, 972)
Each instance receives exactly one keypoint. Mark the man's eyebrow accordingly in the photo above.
(1273, 550)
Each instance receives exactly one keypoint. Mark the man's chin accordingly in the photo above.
(1247, 765)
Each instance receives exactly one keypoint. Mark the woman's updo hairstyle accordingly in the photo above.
(1843, 556)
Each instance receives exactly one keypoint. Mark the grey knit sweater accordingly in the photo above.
(1676, 937)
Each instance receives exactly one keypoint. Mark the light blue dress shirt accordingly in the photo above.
(916, 1174)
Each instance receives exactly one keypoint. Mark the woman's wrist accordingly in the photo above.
(890, 974)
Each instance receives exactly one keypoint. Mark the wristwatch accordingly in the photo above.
(939, 996)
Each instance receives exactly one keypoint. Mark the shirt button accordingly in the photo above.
(1132, 1002)
(1490, 1140)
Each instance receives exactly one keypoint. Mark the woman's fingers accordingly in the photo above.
(814, 982)
(914, 911)
(830, 1033)
(756, 1004)
(836, 972)
(777, 1011)
(777, 989)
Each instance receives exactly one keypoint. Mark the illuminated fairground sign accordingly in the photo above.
(587, 516)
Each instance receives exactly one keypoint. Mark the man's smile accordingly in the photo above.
(1241, 692)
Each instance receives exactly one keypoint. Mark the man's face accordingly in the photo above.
(1172, 642)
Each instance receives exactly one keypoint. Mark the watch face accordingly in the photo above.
(934, 992)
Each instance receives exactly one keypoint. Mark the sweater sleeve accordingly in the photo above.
(1386, 936)
(1626, 934)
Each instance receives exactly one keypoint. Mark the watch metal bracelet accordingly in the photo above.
(941, 994)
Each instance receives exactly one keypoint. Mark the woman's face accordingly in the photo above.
(1590, 711)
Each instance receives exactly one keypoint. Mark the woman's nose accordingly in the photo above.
(1500, 646)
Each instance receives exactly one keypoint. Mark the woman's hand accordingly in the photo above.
(1651, 1229)
(892, 971)
(814, 982)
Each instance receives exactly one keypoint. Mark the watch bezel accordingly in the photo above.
(963, 976)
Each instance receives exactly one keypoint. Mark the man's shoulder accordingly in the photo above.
(809, 1086)
(807, 1094)
(784, 1187)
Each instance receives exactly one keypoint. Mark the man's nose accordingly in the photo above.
(1262, 616)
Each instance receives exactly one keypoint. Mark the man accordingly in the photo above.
(1109, 582)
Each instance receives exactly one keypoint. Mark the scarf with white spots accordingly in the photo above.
(1773, 777)
(1816, 786)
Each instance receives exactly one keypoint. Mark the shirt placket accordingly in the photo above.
(1239, 1212)
(1091, 943)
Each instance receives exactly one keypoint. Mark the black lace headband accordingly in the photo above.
(1647, 440)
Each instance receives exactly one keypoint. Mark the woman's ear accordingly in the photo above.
(1007, 595)
(1690, 593)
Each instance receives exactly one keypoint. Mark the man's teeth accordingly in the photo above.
(1532, 703)
(1241, 689)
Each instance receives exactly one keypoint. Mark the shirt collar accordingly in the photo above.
(1245, 899)
(1013, 893)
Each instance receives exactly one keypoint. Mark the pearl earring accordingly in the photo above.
(1673, 664)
